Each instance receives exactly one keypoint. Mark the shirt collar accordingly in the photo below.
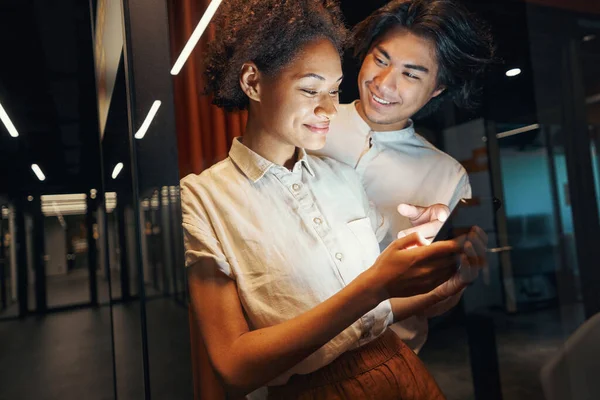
(254, 166)
(358, 120)
(383, 136)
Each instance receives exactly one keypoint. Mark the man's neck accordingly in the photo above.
(396, 126)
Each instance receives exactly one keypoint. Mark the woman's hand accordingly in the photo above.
(410, 265)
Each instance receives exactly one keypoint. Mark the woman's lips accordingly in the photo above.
(318, 128)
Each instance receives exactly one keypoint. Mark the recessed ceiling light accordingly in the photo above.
(513, 72)
(193, 40)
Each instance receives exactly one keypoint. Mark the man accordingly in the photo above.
(414, 54)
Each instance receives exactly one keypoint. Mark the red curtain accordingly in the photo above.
(204, 131)
(204, 135)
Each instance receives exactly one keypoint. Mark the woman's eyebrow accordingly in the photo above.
(319, 77)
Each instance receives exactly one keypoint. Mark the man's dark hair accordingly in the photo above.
(463, 44)
(269, 33)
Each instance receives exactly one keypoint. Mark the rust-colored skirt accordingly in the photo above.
(384, 369)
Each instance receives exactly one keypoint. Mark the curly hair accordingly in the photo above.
(269, 33)
(464, 45)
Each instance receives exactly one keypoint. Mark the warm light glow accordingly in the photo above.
(72, 204)
(63, 198)
(58, 205)
(12, 131)
(513, 72)
(38, 172)
(111, 201)
(513, 132)
(117, 170)
(587, 38)
(142, 131)
(193, 40)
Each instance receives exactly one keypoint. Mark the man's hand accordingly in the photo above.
(471, 262)
(425, 220)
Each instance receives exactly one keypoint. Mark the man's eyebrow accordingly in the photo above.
(319, 77)
(382, 51)
(410, 66)
(417, 67)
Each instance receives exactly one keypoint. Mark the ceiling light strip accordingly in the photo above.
(146, 124)
(12, 131)
(117, 170)
(193, 40)
(38, 172)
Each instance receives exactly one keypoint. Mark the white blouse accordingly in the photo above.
(289, 239)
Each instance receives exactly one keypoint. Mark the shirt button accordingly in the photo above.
(296, 187)
(339, 256)
(317, 221)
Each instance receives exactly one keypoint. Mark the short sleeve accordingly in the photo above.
(200, 246)
(199, 239)
(462, 190)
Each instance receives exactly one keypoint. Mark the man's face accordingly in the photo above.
(397, 78)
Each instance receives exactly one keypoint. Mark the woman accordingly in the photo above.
(284, 274)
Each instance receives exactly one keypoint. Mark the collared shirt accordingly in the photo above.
(396, 167)
(289, 239)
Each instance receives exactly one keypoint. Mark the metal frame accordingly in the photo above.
(584, 206)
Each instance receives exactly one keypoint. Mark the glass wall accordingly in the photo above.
(56, 336)
(92, 292)
(534, 138)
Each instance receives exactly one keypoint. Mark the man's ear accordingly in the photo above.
(438, 91)
(250, 81)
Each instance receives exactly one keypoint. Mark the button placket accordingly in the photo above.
(312, 214)
(292, 181)
(367, 157)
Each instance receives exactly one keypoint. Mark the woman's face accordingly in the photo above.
(297, 103)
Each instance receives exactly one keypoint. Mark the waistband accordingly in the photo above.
(348, 365)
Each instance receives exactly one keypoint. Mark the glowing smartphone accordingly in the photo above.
(455, 225)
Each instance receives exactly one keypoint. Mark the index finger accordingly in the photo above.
(444, 248)
(427, 230)
(480, 233)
